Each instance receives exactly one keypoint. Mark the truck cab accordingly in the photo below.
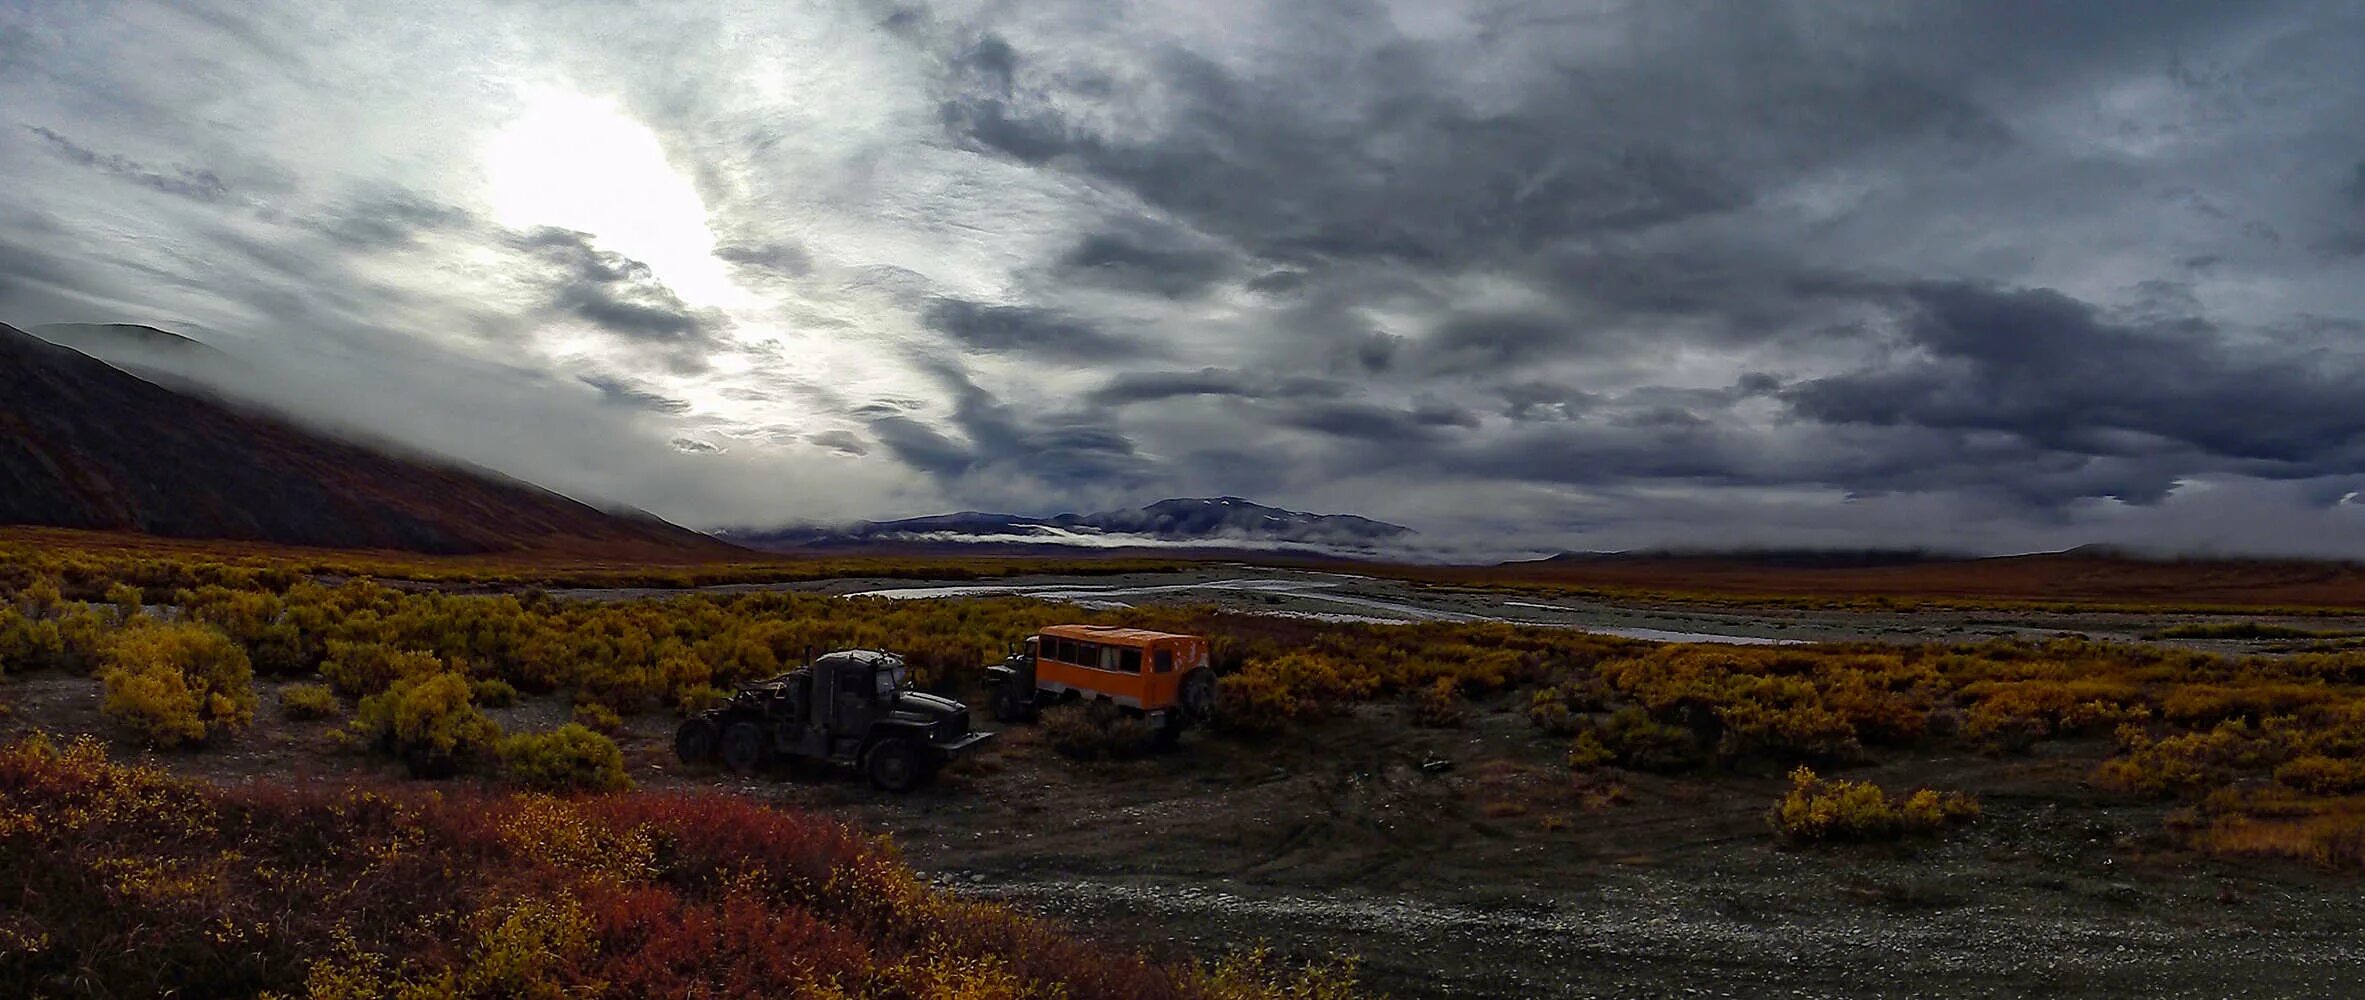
(1163, 676)
(854, 708)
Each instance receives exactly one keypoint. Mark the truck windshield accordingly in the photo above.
(890, 679)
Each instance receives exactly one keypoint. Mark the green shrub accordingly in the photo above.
(1095, 731)
(366, 668)
(428, 721)
(2321, 775)
(569, 758)
(177, 684)
(309, 701)
(492, 692)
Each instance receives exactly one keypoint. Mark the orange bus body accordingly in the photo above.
(1136, 668)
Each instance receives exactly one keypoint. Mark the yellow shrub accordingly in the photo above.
(177, 684)
(492, 692)
(1816, 809)
(593, 715)
(1439, 705)
(2322, 775)
(569, 758)
(366, 668)
(309, 701)
(428, 721)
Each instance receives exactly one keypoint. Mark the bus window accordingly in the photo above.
(1164, 660)
(1108, 658)
(1129, 660)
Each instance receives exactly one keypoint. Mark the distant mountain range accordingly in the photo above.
(1212, 522)
(88, 444)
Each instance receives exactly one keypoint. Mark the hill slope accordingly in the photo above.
(85, 445)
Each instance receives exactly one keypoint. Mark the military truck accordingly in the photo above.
(855, 708)
(1158, 675)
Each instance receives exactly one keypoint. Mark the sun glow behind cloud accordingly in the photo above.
(581, 163)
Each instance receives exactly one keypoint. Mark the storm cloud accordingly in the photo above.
(1966, 275)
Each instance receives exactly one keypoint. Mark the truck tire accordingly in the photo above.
(1169, 732)
(743, 746)
(1197, 696)
(695, 741)
(894, 765)
(1013, 703)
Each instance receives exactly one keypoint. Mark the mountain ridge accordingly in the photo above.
(1214, 521)
(89, 445)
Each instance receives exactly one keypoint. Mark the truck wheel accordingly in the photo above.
(895, 765)
(1169, 731)
(1012, 703)
(695, 741)
(1198, 696)
(743, 746)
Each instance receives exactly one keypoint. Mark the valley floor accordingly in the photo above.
(1464, 862)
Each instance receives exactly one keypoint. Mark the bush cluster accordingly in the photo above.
(429, 721)
(305, 702)
(383, 890)
(570, 758)
(178, 684)
(1097, 731)
(1817, 809)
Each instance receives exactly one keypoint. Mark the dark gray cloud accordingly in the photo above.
(181, 181)
(1984, 275)
(979, 326)
(782, 259)
(2053, 371)
(1151, 386)
(614, 292)
(1137, 262)
(628, 392)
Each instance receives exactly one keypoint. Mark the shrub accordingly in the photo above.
(1560, 709)
(127, 599)
(692, 701)
(593, 715)
(2320, 775)
(492, 692)
(366, 668)
(1816, 809)
(2187, 762)
(309, 701)
(177, 684)
(428, 721)
(1096, 730)
(1587, 752)
(1636, 740)
(1439, 705)
(569, 758)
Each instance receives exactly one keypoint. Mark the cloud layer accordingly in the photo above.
(1990, 276)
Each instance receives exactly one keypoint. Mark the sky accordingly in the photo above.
(1984, 276)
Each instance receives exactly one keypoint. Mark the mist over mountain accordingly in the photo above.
(1212, 522)
(86, 444)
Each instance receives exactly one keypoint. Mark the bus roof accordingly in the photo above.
(1110, 634)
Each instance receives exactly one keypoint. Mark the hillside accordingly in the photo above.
(85, 445)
